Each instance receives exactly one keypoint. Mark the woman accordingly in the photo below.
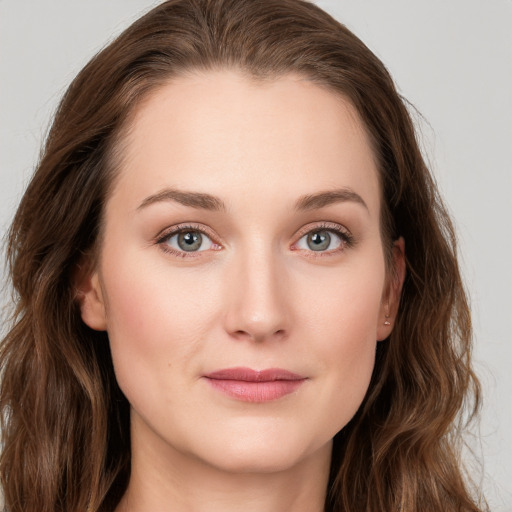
(236, 283)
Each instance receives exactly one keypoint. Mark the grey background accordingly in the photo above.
(451, 58)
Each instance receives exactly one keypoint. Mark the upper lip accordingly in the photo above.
(250, 375)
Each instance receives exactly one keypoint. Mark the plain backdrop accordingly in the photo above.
(451, 58)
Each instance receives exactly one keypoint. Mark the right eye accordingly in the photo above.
(183, 240)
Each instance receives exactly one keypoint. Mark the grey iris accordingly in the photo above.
(319, 240)
(190, 240)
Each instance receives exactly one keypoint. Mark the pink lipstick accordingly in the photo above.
(250, 385)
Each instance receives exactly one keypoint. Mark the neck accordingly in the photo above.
(170, 481)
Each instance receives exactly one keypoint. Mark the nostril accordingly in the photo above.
(259, 336)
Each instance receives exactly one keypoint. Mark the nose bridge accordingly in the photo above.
(258, 305)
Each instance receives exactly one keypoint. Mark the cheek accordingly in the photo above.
(157, 318)
(343, 323)
(345, 302)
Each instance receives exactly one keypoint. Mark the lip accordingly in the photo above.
(248, 385)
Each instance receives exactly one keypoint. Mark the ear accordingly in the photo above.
(90, 297)
(393, 289)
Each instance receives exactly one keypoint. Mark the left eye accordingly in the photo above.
(189, 240)
(320, 240)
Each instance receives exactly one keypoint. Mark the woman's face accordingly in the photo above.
(241, 277)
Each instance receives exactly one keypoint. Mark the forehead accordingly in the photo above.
(224, 133)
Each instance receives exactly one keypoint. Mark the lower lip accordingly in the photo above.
(264, 391)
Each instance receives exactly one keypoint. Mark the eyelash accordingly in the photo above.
(346, 238)
(167, 234)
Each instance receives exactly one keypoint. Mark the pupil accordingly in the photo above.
(190, 241)
(319, 241)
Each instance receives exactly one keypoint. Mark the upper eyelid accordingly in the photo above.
(174, 230)
(322, 225)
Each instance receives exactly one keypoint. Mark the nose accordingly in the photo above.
(258, 308)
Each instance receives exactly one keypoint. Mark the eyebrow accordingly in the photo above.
(193, 199)
(204, 201)
(322, 199)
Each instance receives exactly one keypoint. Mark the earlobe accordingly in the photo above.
(90, 299)
(391, 297)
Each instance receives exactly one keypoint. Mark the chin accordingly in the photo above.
(264, 453)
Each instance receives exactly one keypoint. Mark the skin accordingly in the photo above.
(256, 296)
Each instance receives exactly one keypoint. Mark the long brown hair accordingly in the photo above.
(65, 422)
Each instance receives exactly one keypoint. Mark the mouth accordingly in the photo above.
(255, 386)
